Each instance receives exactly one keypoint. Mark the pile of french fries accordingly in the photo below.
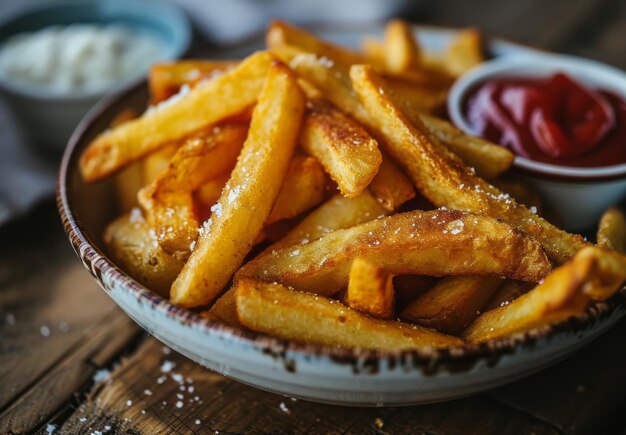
(313, 193)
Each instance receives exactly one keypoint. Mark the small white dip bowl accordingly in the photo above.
(579, 196)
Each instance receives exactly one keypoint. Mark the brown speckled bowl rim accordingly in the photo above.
(98, 264)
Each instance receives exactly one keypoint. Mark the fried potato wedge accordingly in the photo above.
(370, 289)
(206, 104)
(134, 248)
(487, 158)
(594, 272)
(305, 317)
(464, 52)
(224, 309)
(507, 293)
(129, 181)
(347, 151)
(401, 51)
(336, 213)
(419, 243)
(168, 201)
(155, 163)
(425, 99)
(247, 200)
(209, 193)
(452, 304)
(390, 186)
(443, 178)
(408, 287)
(305, 186)
(281, 35)
(612, 230)
(165, 79)
(374, 51)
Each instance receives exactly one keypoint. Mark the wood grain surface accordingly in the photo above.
(71, 361)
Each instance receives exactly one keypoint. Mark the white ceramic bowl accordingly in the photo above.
(362, 377)
(48, 119)
(578, 195)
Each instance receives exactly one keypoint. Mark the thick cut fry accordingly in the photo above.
(370, 289)
(565, 292)
(390, 186)
(336, 213)
(250, 193)
(168, 201)
(487, 158)
(374, 51)
(507, 293)
(612, 230)
(224, 309)
(400, 48)
(347, 151)
(305, 186)
(452, 304)
(419, 243)
(166, 79)
(464, 52)
(209, 193)
(293, 315)
(135, 249)
(443, 178)
(206, 104)
(408, 287)
(155, 163)
(281, 35)
(422, 98)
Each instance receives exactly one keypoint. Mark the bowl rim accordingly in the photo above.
(173, 49)
(510, 66)
(432, 359)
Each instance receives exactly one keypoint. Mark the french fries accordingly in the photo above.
(168, 202)
(134, 248)
(443, 178)
(390, 186)
(235, 167)
(593, 273)
(204, 105)
(347, 151)
(370, 289)
(304, 187)
(452, 304)
(293, 315)
(612, 230)
(420, 243)
(252, 189)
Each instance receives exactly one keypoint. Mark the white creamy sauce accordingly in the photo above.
(78, 58)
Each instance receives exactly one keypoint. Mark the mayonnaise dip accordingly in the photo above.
(78, 58)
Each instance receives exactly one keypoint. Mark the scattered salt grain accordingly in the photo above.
(167, 366)
(284, 408)
(294, 253)
(82, 419)
(101, 375)
(197, 421)
(179, 396)
(533, 209)
(10, 319)
(184, 90)
(50, 428)
(166, 350)
(161, 379)
(177, 377)
(107, 428)
(217, 209)
(44, 331)
(179, 404)
(129, 403)
(147, 392)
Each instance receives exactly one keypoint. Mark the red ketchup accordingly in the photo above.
(555, 120)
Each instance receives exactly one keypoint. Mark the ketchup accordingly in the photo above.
(556, 120)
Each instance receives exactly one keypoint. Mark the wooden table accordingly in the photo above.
(71, 360)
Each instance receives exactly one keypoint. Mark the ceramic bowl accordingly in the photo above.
(579, 196)
(360, 377)
(49, 119)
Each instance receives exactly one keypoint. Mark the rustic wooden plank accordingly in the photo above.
(50, 312)
(142, 396)
(583, 394)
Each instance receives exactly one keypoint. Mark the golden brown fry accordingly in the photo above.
(336, 213)
(419, 243)
(421, 98)
(408, 287)
(347, 151)
(293, 315)
(304, 187)
(168, 202)
(134, 248)
(374, 51)
(594, 272)
(390, 186)
(507, 293)
(281, 35)
(521, 191)
(370, 289)
(206, 104)
(401, 51)
(443, 178)
(129, 181)
(224, 309)
(612, 230)
(250, 193)
(209, 193)
(155, 163)
(166, 79)
(487, 158)
(464, 52)
(452, 304)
